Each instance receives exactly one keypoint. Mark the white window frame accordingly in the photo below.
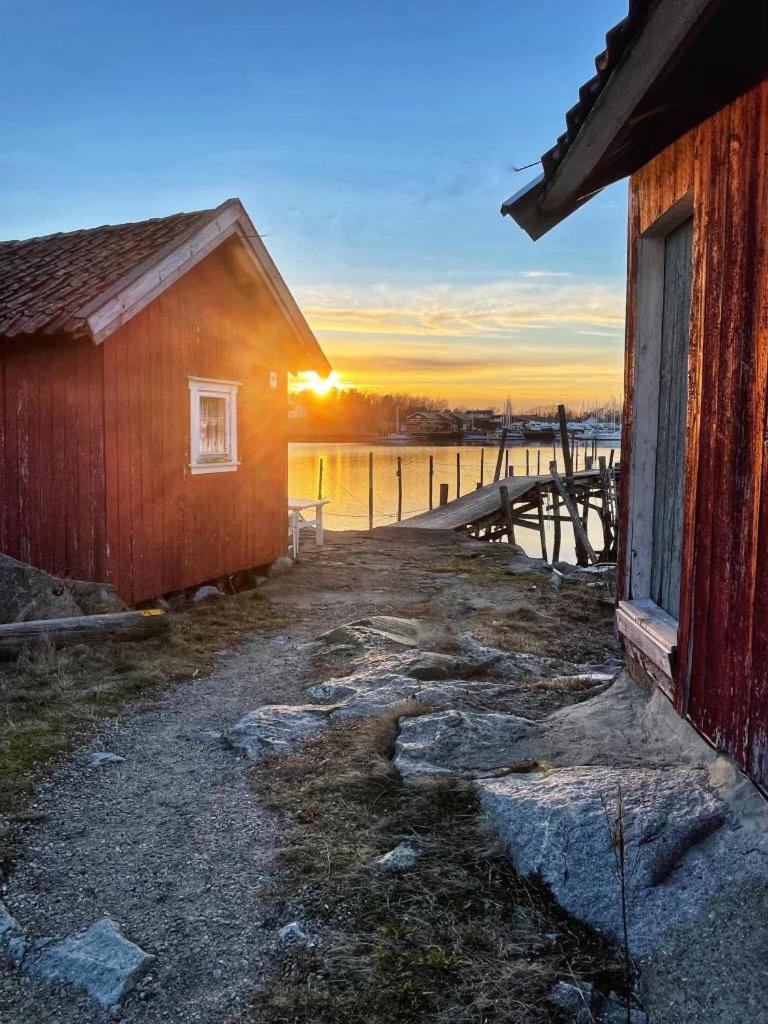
(207, 387)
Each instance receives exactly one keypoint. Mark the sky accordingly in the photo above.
(372, 144)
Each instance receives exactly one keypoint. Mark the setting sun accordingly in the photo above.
(310, 380)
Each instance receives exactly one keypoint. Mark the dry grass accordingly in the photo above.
(49, 698)
(459, 939)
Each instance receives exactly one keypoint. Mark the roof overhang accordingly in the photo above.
(128, 296)
(683, 60)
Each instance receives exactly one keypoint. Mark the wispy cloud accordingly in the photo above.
(545, 273)
(533, 337)
(501, 307)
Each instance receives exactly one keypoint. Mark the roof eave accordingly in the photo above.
(123, 300)
(550, 199)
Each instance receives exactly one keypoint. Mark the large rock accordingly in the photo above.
(275, 729)
(8, 924)
(27, 593)
(100, 960)
(465, 743)
(363, 638)
(95, 598)
(558, 826)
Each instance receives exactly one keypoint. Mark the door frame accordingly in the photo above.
(649, 632)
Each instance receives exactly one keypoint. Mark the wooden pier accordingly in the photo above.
(494, 512)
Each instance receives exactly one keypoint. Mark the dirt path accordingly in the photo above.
(174, 843)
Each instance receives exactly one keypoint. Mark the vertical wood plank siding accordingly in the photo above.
(94, 440)
(722, 679)
(52, 511)
(168, 529)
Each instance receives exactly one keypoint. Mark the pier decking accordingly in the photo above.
(494, 512)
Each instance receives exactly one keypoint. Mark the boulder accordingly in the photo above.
(464, 743)
(366, 637)
(95, 598)
(402, 858)
(100, 960)
(558, 826)
(275, 729)
(27, 593)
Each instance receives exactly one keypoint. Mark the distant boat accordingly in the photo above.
(535, 431)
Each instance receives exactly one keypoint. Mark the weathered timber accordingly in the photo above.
(506, 508)
(137, 625)
(578, 526)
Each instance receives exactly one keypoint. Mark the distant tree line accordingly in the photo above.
(351, 412)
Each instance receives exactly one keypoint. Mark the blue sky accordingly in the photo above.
(372, 144)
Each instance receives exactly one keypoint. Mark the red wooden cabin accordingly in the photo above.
(143, 400)
(680, 105)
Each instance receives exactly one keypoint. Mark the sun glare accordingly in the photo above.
(312, 381)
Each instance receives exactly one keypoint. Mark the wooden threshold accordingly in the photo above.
(650, 631)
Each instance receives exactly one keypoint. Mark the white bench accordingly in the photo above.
(298, 521)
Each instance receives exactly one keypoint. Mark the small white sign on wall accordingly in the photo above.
(273, 378)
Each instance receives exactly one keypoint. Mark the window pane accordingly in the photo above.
(213, 426)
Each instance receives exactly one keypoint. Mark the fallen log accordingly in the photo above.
(140, 625)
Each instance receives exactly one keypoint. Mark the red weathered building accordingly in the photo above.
(143, 400)
(680, 105)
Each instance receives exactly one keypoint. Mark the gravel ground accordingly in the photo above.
(172, 843)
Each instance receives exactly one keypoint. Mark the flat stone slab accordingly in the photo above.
(464, 743)
(557, 826)
(275, 729)
(100, 960)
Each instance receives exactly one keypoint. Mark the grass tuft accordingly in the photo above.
(50, 698)
(460, 938)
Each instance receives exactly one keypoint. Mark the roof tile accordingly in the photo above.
(45, 281)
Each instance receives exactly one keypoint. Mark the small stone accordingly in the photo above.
(17, 950)
(210, 737)
(280, 565)
(555, 580)
(104, 757)
(292, 932)
(275, 729)
(100, 960)
(8, 923)
(579, 999)
(402, 858)
(206, 592)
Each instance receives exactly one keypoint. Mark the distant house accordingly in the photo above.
(143, 400)
(429, 423)
(680, 104)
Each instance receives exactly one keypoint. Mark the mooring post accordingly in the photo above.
(482, 466)
(443, 494)
(320, 482)
(458, 474)
(527, 462)
(370, 490)
(507, 509)
(581, 551)
(542, 532)
(538, 462)
(431, 478)
(500, 456)
(399, 488)
(506, 462)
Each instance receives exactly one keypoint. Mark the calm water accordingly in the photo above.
(345, 481)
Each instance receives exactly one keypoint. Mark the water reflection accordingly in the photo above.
(345, 481)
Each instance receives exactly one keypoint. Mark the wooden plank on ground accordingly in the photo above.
(137, 625)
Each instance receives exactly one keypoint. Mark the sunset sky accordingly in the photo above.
(372, 144)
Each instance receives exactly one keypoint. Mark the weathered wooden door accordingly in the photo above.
(670, 445)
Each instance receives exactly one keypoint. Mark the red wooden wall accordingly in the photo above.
(722, 675)
(166, 528)
(52, 456)
(94, 473)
